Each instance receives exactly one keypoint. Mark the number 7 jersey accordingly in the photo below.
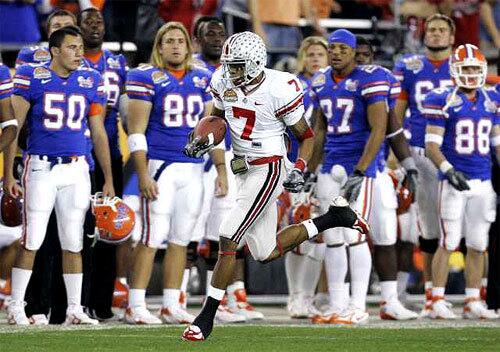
(258, 117)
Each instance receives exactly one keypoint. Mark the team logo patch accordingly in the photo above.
(230, 96)
(414, 64)
(319, 80)
(200, 82)
(158, 77)
(113, 63)
(85, 82)
(351, 85)
(41, 55)
(41, 73)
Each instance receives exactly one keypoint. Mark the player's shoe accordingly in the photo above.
(396, 311)
(140, 316)
(76, 316)
(5, 290)
(297, 309)
(238, 304)
(120, 295)
(16, 314)
(225, 315)
(39, 319)
(325, 318)
(321, 301)
(353, 316)
(441, 309)
(339, 208)
(475, 309)
(175, 315)
(193, 333)
(183, 300)
(427, 309)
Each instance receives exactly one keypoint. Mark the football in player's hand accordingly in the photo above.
(211, 130)
(11, 213)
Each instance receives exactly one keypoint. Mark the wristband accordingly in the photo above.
(445, 167)
(300, 164)
(136, 142)
(12, 122)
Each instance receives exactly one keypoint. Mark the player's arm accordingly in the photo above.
(495, 140)
(319, 139)
(8, 123)
(138, 119)
(377, 119)
(400, 110)
(21, 107)
(101, 146)
(218, 156)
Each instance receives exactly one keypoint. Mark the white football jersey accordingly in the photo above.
(258, 119)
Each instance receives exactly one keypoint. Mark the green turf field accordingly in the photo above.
(255, 338)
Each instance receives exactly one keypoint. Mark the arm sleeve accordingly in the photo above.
(289, 98)
(139, 85)
(376, 88)
(22, 82)
(6, 85)
(399, 72)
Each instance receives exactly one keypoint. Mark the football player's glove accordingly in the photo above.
(294, 182)
(352, 187)
(195, 148)
(410, 181)
(457, 179)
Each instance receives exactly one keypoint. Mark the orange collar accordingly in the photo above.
(437, 63)
(178, 73)
(94, 57)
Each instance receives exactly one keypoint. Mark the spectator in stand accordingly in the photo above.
(186, 11)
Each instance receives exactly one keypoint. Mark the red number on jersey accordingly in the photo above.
(241, 113)
(294, 82)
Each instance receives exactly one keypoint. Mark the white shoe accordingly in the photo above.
(322, 301)
(441, 310)
(296, 308)
(225, 316)
(39, 319)
(238, 304)
(353, 316)
(76, 316)
(175, 315)
(475, 309)
(140, 316)
(396, 311)
(16, 314)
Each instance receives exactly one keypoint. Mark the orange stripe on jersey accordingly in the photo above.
(96, 109)
(178, 73)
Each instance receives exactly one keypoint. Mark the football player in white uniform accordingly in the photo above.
(259, 104)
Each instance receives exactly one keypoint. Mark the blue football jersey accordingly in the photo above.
(113, 69)
(37, 55)
(344, 104)
(418, 76)
(177, 107)
(468, 125)
(60, 107)
(200, 62)
(6, 85)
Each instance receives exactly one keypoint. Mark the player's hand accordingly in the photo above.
(352, 186)
(221, 184)
(195, 148)
(12, 188)
(410, 181)
(457, 179)
(148, 187)
(294, 182)
(108, 190)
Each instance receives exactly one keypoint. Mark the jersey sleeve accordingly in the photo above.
(205, 79)
(400, 74)
(432, 108)
(23, 82)
(6, 85)
(216, 90)
(100, 96)
(123, 68)
(316, 81)
(289, 99)
(140, 85)
(375, 88)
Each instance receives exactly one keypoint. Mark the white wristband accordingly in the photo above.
(408, 163)
(8, 123)
(445, 166)
(136, 142)
(433, 138)
(395, 133)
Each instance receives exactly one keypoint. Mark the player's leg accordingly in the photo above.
(407, 238)
(479, 214)
(39, 200)
(451, 209)
(8, 251)
(187, 206)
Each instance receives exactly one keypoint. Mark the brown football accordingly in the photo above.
(11, 211)
(211, 127)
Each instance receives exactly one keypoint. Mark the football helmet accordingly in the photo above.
(243, 58)
(114, 220)
(11, 209)
(468, 55)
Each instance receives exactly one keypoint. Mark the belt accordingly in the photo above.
(55, 160)
(265, 160)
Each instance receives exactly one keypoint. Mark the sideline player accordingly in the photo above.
(419, 74)
(463, 124)
(58, 102)
(259, 104)
(167, 98)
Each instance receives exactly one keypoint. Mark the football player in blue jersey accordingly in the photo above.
(57, 102)
(113, 69)
(8, 123)
(167, 98)
(419, 74)
(463, 126)
(209, 35)
(350, 114)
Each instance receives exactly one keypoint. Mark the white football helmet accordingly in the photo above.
(243, 58)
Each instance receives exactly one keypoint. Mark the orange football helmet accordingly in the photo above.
(468, 56)
(114, 220)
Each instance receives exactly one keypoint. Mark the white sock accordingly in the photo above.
(471, 292)
(402, 279)
(73, 283)
(484, 282)
(3, 283)
(389, 291)
(292, 266)
(171, 297)
(215, 293)
(19, 281)
(122, 280)
(427, 285)
(310, 276)
(312, 230)
(237, 285)
(360, 263)
(137, 297)
(347, 293)
(438, 292)
(209, 278)
(185, 280)
(336, 270)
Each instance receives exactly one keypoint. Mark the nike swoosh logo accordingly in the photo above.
(165, 84)
(319, 89)
(35, 170)
(46, 81)
(457, 109)
(259, 103)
